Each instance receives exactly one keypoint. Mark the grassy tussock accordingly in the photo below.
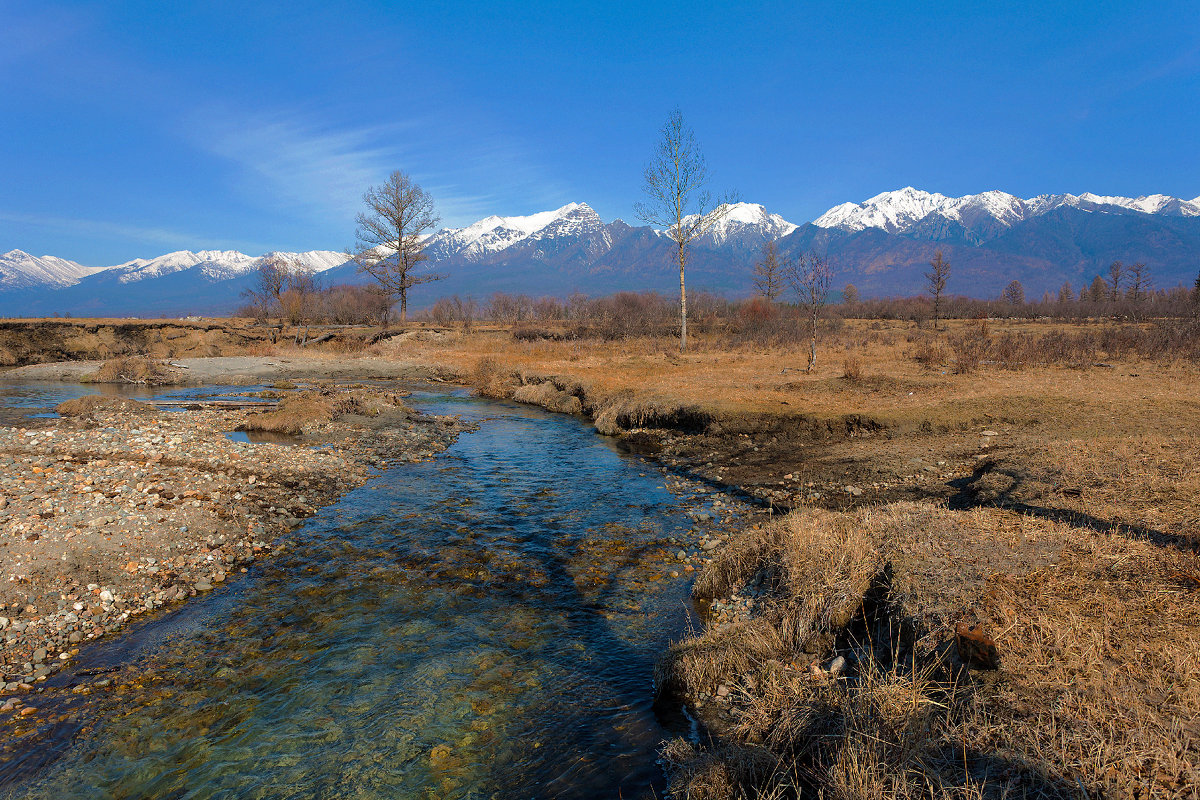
(88, 405)
(1093, 626)
(136, 369)
(727, 772)
(491, 379)
(305, 411)
(624, 411)
(548, 396)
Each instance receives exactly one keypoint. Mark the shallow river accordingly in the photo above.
(480, 625)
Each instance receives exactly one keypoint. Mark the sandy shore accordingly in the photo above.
(240, 370)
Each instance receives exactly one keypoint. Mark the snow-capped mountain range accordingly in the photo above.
(881, 245)
(493, 234)
(19, 270)
(902, 210)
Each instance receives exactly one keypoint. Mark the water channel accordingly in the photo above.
(480, 625)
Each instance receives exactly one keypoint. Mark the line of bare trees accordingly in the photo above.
(286, 291)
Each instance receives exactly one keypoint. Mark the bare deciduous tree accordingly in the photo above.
(270, 281)
(937, 276)
(1116, 270)
(674, 182)
(811, 276)
(1139, 278)
(297, 301)
(1065, 294)
(1195, 298)
(768, 273)
(1014, 294)
(389, 242)
(1098, 290)
(850, 294)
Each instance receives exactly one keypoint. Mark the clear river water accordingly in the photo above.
(481, 625)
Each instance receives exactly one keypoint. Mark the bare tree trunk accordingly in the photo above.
(812, 343)
(403, 306)
(682, 303)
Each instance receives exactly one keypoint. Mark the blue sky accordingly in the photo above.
(134, 128)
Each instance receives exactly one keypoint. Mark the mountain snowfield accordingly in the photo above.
(739, 219)
(218, 264)
(881, 245)
(20, 270)
(901, 210)
(493, 234)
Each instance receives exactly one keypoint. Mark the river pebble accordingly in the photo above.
(108, 517)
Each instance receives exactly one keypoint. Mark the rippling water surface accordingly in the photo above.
(480, 625)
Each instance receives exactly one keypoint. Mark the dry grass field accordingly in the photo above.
(995, 527)
(1048, 508)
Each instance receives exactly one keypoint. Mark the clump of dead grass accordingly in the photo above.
(305, 411)
(1094, 625)
(730, 771)
(90, 405)
(491, 379)
(852, 368)
(547, 395)
(624, 411)
(137, 370)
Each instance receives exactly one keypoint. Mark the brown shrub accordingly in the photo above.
(852, 368)
(490, 379)
(969, 350)
(928, 351)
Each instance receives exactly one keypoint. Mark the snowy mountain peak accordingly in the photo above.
(747, 222)
(20, 270)
(493, 234)
(901, 211)
(217, 265)
(892, 211)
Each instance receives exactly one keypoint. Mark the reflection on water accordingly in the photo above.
(480, 625)
(261, 437)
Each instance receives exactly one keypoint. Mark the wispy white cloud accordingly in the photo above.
(292, 159)
(118, 231)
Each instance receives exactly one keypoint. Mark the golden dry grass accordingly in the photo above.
(1098, 630)
(721, 378)
(136, 369)
(306, 411)
(90, 405)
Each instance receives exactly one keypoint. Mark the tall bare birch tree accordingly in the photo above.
(389, 242)
(811, 276)
(677, 200)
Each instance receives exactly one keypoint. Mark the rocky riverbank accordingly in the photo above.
(125, 508)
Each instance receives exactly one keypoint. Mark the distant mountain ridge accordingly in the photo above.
(987, 214)
(20, 270)
(882, 245)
